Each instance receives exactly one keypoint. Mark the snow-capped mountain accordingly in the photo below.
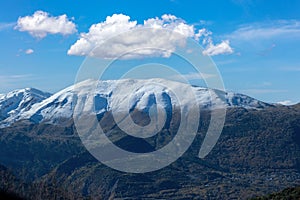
(124, 95)
(19, 101)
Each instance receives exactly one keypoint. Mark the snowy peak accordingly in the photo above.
(125, 95)
(57, 106)
(17, 101)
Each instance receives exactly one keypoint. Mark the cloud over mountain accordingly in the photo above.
(155, 37)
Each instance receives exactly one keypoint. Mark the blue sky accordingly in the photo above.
(262, 60)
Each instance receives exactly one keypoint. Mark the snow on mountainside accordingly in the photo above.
(19, 101)
(111, 94)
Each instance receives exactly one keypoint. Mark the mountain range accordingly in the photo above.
(42, 156)
(40, 106)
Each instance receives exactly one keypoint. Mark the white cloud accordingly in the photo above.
(203, 33)
(286, 102)
(29, 51)
(155, 37)
(267, 30)
(222, 48)
(42, 23)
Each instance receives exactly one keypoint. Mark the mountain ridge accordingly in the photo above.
(112, 94)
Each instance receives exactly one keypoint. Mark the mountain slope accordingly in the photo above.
(118, 95)
(258, 153)
(289, 193)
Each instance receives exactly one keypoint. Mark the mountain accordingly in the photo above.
(112, 95)
(16, 102)
(258, 153)
(42, 156)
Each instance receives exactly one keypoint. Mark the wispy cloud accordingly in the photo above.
(8, 82)
(267, 51)
(262, 91)
(4, 26)
(266, 83)
(291, 69)
(191, 77)
(225, 62)
(267, 30)
(203, 23)
(14, 77)
(262, 85)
